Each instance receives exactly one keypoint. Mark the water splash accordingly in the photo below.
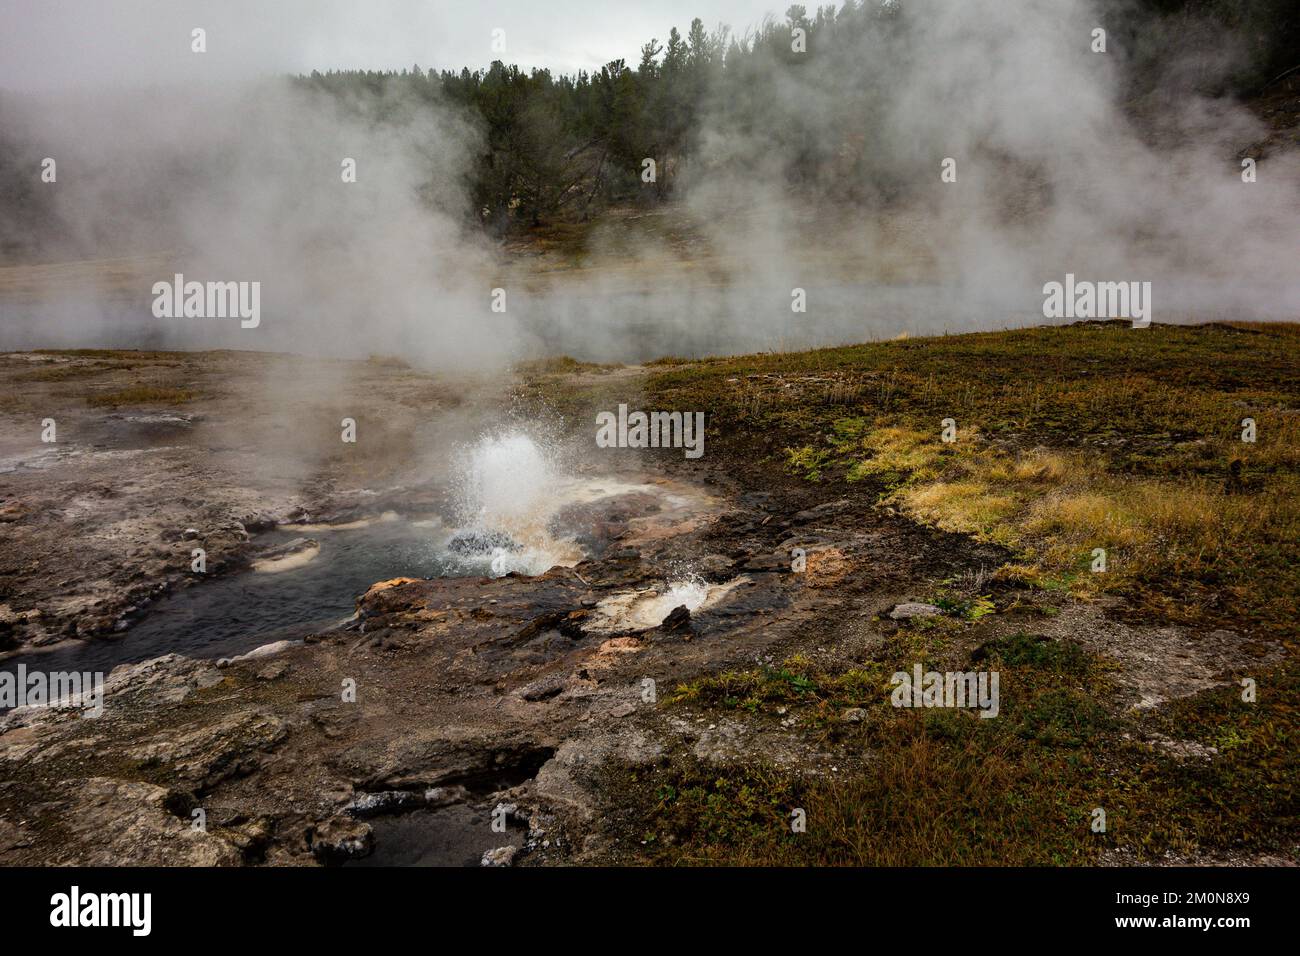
(510, 486)
(508, 480)
(690, 593)
(631, 611)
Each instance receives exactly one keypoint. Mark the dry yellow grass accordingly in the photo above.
(973, 507)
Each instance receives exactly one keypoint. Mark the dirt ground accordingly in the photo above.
(446, 705)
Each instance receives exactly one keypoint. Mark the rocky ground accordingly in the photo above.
(525, 720)
(155, 454)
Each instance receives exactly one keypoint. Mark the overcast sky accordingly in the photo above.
(53, 44)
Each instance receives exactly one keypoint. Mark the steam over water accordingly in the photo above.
(1059, 173)
(510, 487)
(512, 494)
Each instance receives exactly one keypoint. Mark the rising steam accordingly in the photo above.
(1055, 174)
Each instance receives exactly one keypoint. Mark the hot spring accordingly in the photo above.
(514, 509)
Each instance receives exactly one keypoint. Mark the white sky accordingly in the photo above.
(58, 44)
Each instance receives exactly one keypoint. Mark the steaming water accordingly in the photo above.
(690, 594)
(642, 610)
(233, 614)
(619, 326)
(510, 487)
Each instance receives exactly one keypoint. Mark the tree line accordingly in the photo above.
(804, 98)
(568, 145)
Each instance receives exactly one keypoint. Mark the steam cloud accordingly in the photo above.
(246, 185)
(1055, 175)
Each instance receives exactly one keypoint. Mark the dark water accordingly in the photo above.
(235, 613)
(457, 835)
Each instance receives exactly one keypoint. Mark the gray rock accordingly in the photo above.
(716, 566)
(911, 609)
(445, 796)
(113, 822)
(767, 564)
(677, 618)
(386, 801)
(273, 671)
(546, 686)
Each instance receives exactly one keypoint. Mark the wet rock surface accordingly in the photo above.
(464, 721)
(465, 686)
(104, 522)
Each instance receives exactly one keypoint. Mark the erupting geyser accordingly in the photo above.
(507, 481)
(510, 487)
(520, 510)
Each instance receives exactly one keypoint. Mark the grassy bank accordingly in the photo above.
(1068, 440)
